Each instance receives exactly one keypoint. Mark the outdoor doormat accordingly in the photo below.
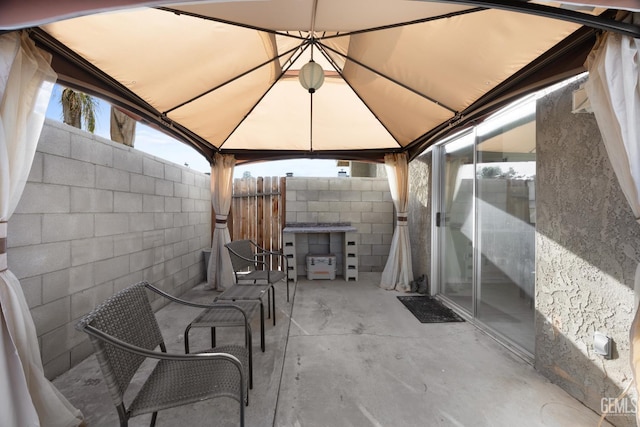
(429, 310)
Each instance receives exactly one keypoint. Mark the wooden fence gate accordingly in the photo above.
(258, 211)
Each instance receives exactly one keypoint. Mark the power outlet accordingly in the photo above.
(603, 345)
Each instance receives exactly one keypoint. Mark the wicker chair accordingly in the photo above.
(253, 263)
(125, 332)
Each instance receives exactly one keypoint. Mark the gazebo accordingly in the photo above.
(244, 81)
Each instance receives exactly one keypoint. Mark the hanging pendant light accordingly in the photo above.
(311, 76)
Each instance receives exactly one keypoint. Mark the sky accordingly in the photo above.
(160, 145)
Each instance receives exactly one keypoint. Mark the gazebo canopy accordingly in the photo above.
(223, 75)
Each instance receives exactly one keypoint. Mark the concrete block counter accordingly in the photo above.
(339, 239)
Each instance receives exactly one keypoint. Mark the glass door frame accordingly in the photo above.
(437, 233)
(438, 187)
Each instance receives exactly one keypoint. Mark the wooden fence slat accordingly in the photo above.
(266, 214)
(235, 210)
(244, 230)
(259, 217)
(276, 231)
(253, 189)
(281, 210)
(257, 209)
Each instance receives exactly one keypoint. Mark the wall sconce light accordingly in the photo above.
(580, 101)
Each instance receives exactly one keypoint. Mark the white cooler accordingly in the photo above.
(321, 267)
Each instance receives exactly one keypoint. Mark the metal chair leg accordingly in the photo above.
(186, 339)
(250, 347)
(122, 414)
(262, 326)
(273, 302)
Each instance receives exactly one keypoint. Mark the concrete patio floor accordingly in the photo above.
(350, 354)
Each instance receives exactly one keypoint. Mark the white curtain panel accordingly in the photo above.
(398, 272)
(614, 92)
(219, 271)
(613, 88)
(26, 82)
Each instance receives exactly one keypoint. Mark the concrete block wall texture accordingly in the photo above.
(95, 217)
(587, 250)
(364, 202)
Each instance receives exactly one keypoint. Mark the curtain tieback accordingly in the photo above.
(402, 218)
(3, 246)
(221, 221)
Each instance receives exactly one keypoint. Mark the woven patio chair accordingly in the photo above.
(253, 263)
(124, 333)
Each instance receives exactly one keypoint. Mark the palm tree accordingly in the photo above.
(79, 108)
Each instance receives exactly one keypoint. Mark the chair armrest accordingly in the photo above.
(254, 259)
(278, 254)
(213, 305)
(265, 257)
(263, 254)
(123, 345)
(274, 253)
(262, 251)
(176, 299)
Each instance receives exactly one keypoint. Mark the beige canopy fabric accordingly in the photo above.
(222, 75)
(18, 14)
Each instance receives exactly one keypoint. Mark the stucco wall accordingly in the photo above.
(420, 179)
(587, 249)
(94, 218)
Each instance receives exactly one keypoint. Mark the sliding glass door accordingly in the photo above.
(456, 222)
(487, 224)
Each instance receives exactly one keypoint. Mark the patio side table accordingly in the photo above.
(225, 314)
(255, 293)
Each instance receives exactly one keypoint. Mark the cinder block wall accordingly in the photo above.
(95, 217)
(364, 202)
